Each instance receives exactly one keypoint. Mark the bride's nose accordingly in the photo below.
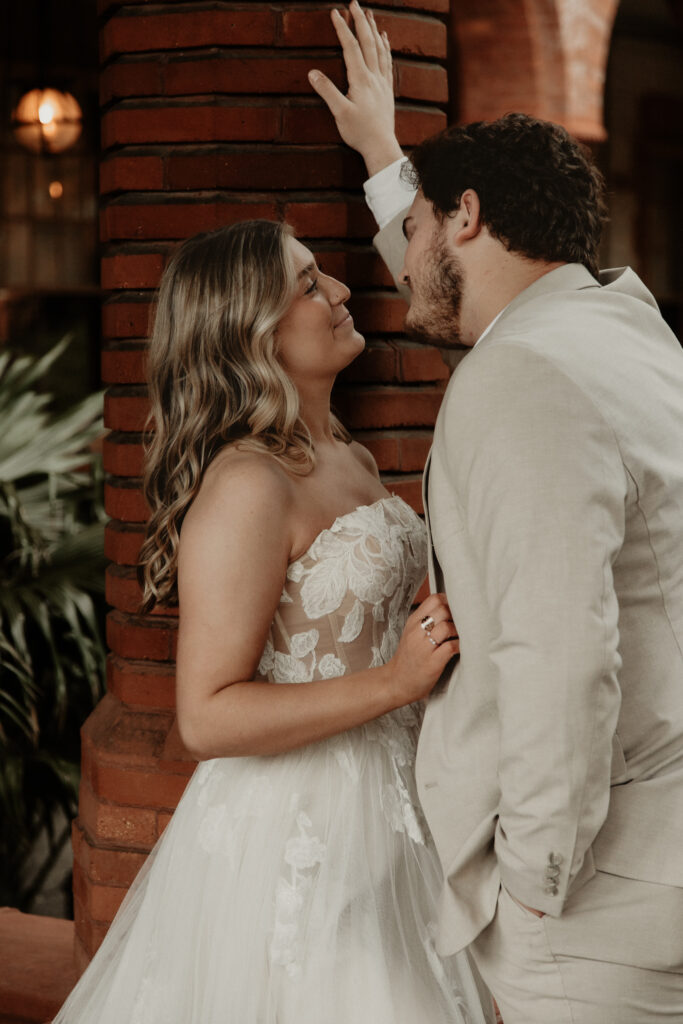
(336, 291)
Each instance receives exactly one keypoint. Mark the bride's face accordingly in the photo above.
(316, 337)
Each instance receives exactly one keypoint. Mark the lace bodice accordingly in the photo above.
(346, 599)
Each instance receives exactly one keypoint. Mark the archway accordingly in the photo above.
(544, 57)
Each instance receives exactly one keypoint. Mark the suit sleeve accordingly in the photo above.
(543, 488)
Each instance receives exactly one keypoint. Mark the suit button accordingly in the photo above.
(552, 890)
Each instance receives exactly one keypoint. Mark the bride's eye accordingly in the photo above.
(312, 288)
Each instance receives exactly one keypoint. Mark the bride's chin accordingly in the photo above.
(357, 349)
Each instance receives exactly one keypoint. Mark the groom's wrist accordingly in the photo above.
(379, 156)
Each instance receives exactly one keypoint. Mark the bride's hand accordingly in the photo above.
(428, 643)
(365, 116)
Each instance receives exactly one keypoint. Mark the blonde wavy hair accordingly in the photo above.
(215, 379)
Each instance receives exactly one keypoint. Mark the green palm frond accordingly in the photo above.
(52, 654)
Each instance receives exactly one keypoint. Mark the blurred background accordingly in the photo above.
(51, 515)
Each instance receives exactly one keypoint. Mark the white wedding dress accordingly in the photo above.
(298, 888)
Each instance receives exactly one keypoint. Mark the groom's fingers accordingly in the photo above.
(383, 49)
(328, 91)
(353, 55)
(365, 36)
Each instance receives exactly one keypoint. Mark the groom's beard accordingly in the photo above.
(434, 314)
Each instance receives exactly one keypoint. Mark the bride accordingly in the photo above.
(295, 883)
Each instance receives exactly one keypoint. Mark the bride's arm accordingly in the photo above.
(235, 544)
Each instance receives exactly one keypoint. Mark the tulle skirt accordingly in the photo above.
(293, 889)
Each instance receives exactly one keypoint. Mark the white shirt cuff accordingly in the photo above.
(387, 194)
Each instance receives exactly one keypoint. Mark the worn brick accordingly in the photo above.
(414, 124)
(126, 409)
(122, 173)
(187, 29)
(373, 407)
(377, 312)
(414, 449)
(253, 73)
(89, 934)
(335, 218)
(170, 219)
(122, 542)
(379, 362)
(126, 736)
(129, 827)
(356, 265)
(123, 455)
(132, 270)
(421, 363)
(312, 123)
(133, 637)
(419, 81)
(141, 683)
(136, 788)
(190, 123)
(126, 317)
(435, 6)
(125, 363)
(416, 34)
(125, 502)
(132, 78)
(123, 591)
(220, 72)
(264, 167)
(104, 865)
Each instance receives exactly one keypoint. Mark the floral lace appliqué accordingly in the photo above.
(303, 854)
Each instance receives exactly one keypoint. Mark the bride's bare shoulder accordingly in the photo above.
(365, 457)
(244, 485)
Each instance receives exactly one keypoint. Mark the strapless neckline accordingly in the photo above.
(335, 524)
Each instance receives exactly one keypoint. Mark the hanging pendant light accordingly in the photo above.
(47, 120)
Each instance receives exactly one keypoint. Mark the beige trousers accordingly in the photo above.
(615, 956)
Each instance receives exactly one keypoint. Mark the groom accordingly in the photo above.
(551, 765)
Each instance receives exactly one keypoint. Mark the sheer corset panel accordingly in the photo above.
(346, 599)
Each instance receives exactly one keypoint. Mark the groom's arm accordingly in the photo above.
(365, 121)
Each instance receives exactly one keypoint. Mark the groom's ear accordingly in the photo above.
(466, 220)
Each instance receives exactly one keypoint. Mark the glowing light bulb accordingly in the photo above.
(47, 120)
(46, 112)
(56, 189)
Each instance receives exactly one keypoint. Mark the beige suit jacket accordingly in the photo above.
(554, 500)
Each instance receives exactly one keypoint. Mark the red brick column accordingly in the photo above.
(207, 118)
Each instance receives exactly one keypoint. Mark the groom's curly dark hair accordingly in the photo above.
(539, 192)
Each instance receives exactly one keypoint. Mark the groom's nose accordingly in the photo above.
(404, 276)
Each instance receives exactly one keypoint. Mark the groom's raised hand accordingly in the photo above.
(365, 116)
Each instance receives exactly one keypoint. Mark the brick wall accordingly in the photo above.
(207, 118)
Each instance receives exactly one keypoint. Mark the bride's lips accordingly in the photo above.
(347, 319)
